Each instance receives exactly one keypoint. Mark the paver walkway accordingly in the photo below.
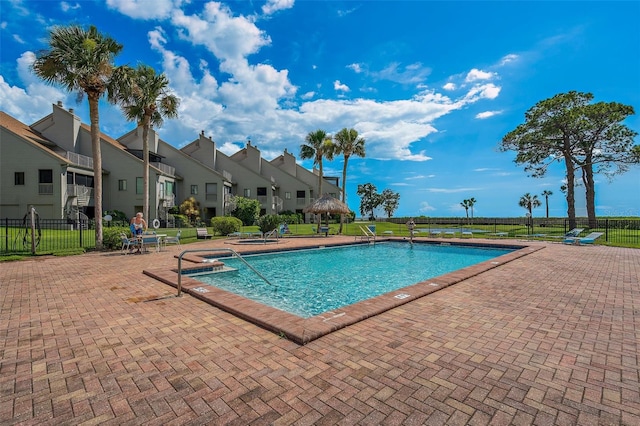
(551, 338)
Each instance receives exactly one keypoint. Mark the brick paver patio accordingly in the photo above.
(549, 338)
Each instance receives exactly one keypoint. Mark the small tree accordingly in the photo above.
(247, 210)
(268, 223)
(191, 208)
(390, 202)
(369, 199)
(546, 193)
(467, 205)
(529, 202)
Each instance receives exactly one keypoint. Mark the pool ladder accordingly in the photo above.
(235, 253)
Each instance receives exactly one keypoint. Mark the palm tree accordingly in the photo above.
(529, 202)
(318, 146)
(347, 143)
(83, 61)
(148, 101)
(546, 194)
(471, 201)
(466, 204)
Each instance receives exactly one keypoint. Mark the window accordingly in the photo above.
(247, 193)
(168, 189)
(300, 194)
(262, 191)
(45, 176)
(45, 181)
(287, 195)
(139, 185)
(122, 185)
(18, 178)
(211, 190)
(194, 189)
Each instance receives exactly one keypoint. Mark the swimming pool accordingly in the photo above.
(304, 330)
(310, 282)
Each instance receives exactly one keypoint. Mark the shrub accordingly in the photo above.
(268, 223)
(225, 225)
(111, 237)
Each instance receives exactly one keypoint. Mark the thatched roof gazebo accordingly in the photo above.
(327, 205)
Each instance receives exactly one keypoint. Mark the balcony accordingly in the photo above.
(79, 159)
(165, 168)
(211, 197)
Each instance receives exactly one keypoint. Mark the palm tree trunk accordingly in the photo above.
(546, 203)
(319, 221)
(344, 190)
(145, 173)
(97, 166)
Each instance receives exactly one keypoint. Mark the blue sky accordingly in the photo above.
(431, 86)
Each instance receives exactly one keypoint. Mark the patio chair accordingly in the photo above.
(589, 239)
(128, 244)
(172, 240)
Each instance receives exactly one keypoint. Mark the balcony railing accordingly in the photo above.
(79, 159)
(170, 170)
(211, 197)
(45, 188)
(262, 199)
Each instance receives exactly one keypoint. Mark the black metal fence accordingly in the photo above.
(625, 232)
(22, 236)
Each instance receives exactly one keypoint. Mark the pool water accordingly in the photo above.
(310, 282)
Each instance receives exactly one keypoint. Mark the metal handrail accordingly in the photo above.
(214, 250)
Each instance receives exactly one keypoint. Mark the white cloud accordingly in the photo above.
(451, 190)
(340, 87)
(18, 39)
(449, 86)
(308, 95)
(67, 7)
(476, 74)
(485, 91)
(357, 68)
(144, 9)
(419, 177)
(425, 207)
(487, 114)
(34, 101)
(273, 6)
(509, 58)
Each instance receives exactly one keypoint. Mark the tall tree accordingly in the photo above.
(529, 202)
(466, 204)
(369, 199)
(546, 194)
(390, 201)
(472, 202)
(82, 61)
(148, 102)
(567, 128)
(317, 147)
(347, 143)
(605, 145)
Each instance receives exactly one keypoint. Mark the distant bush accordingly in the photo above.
(225, 225)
